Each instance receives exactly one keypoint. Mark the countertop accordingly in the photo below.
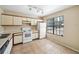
(2, 41)
(20, 33)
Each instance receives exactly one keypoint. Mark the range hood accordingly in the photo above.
(26, 22)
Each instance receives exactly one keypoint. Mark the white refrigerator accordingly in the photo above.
(42, 30)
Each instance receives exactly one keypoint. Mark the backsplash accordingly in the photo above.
(12, 29)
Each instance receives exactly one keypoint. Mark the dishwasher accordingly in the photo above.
(17, 38)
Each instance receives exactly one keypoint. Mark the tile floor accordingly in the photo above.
(42, 46)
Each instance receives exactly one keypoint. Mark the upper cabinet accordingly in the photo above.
(17, 20)
(11, 20)
(6, 20)
(33, 21)
(26, 20)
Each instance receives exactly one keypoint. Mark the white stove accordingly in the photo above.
(27, 34)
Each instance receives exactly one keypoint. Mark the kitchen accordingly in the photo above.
(25, 29)
(16, 29)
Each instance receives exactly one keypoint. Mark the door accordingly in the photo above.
(42, 30)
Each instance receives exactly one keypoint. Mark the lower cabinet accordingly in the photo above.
(34, 35)
(9, 47)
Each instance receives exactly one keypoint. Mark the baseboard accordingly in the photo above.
(17, 43)
(60, 43)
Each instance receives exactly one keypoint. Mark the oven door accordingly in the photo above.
(27, 36)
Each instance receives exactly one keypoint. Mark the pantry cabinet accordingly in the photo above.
(6, 20)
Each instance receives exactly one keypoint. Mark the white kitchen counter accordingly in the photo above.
(2, 41)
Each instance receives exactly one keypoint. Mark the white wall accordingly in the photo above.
(71, 28)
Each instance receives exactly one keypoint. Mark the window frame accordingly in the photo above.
(57, 25)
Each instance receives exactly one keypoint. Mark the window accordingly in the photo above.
(56, 25)
(61, 24)
(50, 26)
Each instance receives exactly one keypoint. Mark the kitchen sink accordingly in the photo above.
(4, 36)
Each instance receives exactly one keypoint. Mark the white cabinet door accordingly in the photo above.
(9, 47)
(36, 35)
(17, 39)
(33, 22)
(6, 20)
(33, 36)
(17, 21)
(11, 20)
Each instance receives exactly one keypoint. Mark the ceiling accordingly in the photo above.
(34, 10)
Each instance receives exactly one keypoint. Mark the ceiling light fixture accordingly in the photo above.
(38, 10)
(30, 9)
